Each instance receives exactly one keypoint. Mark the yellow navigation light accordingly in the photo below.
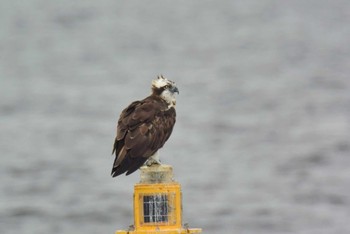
(158, 203)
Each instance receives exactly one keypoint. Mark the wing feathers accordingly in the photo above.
(143, 127)
(120, 157)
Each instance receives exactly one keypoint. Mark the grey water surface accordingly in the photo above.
(262, 139)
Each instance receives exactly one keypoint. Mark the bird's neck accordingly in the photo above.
(169, 100)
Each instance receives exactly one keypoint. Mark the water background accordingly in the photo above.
(262, 140)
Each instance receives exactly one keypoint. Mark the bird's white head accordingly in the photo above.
(166, 89)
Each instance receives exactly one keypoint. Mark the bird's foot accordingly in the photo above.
(152, 161)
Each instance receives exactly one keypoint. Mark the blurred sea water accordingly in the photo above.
(261, 144)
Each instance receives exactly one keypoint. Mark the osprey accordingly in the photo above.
(143, 128)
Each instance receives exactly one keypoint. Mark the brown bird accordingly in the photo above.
(144, 127)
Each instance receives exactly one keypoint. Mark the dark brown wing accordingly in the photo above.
(143, 127)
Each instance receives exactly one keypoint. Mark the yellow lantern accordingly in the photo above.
(157, 203)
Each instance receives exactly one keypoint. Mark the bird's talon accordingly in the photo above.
(152, 161)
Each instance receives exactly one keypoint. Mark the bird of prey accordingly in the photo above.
(144, 127)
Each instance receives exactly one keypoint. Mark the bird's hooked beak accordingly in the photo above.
(174, 89)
